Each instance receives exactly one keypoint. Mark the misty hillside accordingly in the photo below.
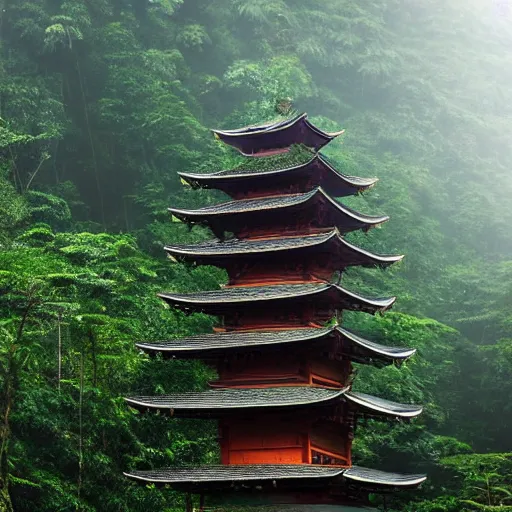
(102, 102)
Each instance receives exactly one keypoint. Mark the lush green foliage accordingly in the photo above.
(103, 101)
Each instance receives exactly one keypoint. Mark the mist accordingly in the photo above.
(103, 102)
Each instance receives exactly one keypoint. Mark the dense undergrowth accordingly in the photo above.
(103, 101)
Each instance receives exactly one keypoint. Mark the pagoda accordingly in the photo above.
(283, 394)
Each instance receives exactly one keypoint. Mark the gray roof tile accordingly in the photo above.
(239, 295)
(259, 473)
(220, 343)
(210, 180)
(229, 399)
(375, 406)
(375, 476)
(235, 473)
(274, 203)
(240, 248)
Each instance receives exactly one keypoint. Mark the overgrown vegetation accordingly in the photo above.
(103, 101)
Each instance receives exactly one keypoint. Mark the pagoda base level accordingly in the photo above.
(221, 488)
(322, 484)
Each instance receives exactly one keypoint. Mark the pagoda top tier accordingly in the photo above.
(219, 477)
(279, 214)
(303, 177)
(220, 345)
(226, 401)
(278, 137)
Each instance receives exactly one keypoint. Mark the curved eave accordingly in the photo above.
(261, 129)
(382, 260)
(218, 401)
(382, 478)
(235, 340)
(235, 473)
(216, 344)
(215, 250)
(328, 135)
(239, 295)
(218, 179)
(253, 474)
(247, 247)
(265, 129)
(371, 220)
(356, 181)
(275, 138)
(374, 406)
(245, 206)
(391, 353)
(382, 304)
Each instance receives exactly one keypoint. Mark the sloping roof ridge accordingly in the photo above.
(377, 347)
(362, 217)
(294, 200)
(311, 240)
(303, 334)
(376, 476)
(330, 135)
(259, 472)
(238, 472)
(385, 302)
(263, 128)
(326, 161)
(380, 257)
(289, 201)
(383, 405)
(229, 174)
(260, 338)
(327, 394)
(218, 174)
(270, 293)
(299, 290)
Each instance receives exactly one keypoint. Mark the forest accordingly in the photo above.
(102, 102)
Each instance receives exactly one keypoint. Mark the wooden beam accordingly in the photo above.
(188, 503)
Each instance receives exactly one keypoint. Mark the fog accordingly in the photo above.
(103, 102)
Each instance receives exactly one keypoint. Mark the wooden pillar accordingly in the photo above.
(201, 503)
(188, 503)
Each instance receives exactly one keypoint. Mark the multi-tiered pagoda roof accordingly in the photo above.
(283, 398)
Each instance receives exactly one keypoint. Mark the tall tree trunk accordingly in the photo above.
(6, 405)
(80, 435)
(92, 341)
(5, 500)
(5, 431)
(93, 149)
